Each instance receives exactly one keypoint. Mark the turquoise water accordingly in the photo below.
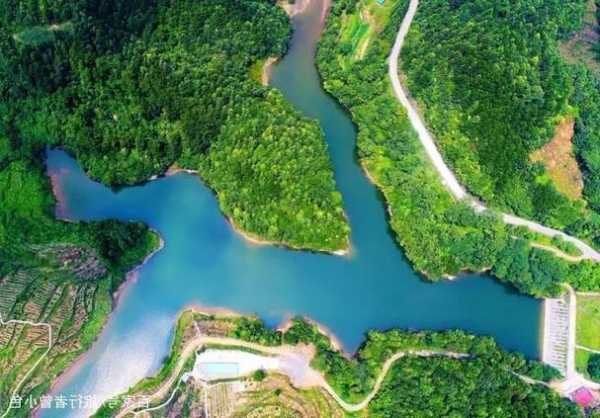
(204, 262)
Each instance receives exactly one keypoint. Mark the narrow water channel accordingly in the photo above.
(205, 263)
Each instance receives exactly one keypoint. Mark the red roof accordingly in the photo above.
(583, 397)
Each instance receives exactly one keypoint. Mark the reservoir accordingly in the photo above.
(204, 262)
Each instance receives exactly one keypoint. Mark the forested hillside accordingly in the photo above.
(484, 382)
(493, 87)
(462, 389)
(132, 87)
(448, 236)
(586, 97)
(129, 88)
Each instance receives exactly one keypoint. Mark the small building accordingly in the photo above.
(584, 397)
(380, 2)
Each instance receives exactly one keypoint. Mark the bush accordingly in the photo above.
(594, 367)
(259, 375)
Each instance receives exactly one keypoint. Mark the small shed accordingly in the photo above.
(380, 2)
(584, 397)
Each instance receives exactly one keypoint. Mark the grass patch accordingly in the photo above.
(256, 70)
(588, 321)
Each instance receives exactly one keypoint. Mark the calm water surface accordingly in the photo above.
(204, 262)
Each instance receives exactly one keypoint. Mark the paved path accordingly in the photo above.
(591, 350)
(592, 294)
(558, 253)
(311, 377)
(301, 378)
(32, 324)
(348, 407)
(447, 176)
(567, 386)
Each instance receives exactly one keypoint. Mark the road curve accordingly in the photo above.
(448, 178)
(38, 361)
(189, 349)
(348, 407)
(318, 381)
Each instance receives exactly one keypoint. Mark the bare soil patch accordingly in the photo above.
(561, 165)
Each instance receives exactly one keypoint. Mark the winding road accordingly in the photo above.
(304, 379)
(15, 393)
(348, 407)
(448, 178)
(309, 377)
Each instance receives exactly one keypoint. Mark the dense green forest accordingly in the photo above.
(129, 88)
(484, 383)
(594, 367)
(462, 389)
(586, 97)
(493, 87)
(354, 379)
(449, 236)
(132, 87)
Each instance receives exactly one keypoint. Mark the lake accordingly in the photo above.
(204, 262)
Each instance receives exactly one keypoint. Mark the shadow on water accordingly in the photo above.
(204, 262)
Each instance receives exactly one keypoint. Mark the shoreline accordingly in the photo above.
(252, 238)
(267, 70)
(336, 343)
(132, 275)
(446, 276)
(256, 241)
(130, 278)
(60, 207)
(219, 311)
(175, 169)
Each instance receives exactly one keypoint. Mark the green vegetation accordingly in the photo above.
(353, 379)
(462, 389)
(59, 273)
(259, 375)
(587, 98)
(132, 87)
(487, 126)
(582, 47)
(582, 358)
(588, 364)
(594, 367)
(449, 236)
(253, 330)
(488, 383)
(588, 321)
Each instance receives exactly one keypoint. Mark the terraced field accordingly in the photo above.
(56, 284)
(65, 286)
(275, 397)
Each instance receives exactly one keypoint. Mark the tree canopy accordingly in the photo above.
(133, 87)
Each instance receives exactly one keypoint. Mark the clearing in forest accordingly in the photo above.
(581, 48)
(559, 160)
(588, 321)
